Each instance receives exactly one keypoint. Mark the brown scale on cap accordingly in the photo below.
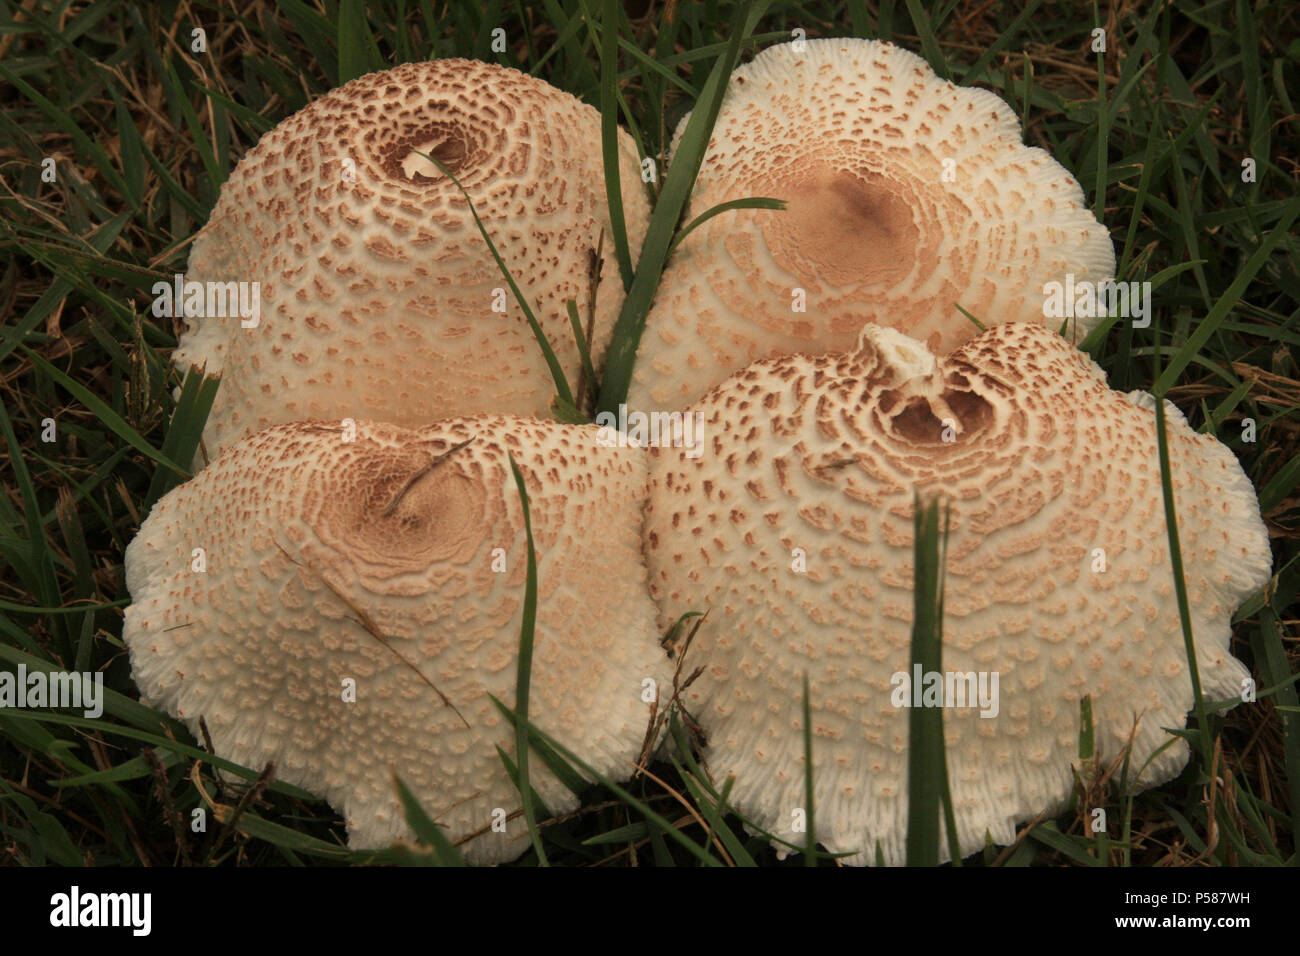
(1042, 464)
(329, 559)
(376, 286)
(854, 135)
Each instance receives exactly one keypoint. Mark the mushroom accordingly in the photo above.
(907, 196)
(344, 609)
(793, 530)
(378, 296)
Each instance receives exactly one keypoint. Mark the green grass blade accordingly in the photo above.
(428, 832)
(676, 190)
(590, 386)
(573, 781)
(197, 395)
(925, 724)
(1103, 134)
(557, 371)
(1271, 661)
(1280, 486)
(1226, 303)
(755, 202)
(1087, 734)
(929, 42)
(714, 808)
(316, 34)
(70, 128)
(535, 733)
(1003, 39)
(106, 415)
(358, 54)
(523, 674)
(215, 175)
(1180, 581)
(609, 137)
(158, 743)
(1073, 847)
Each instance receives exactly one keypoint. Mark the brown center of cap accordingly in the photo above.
(446, 142)
(917, 400)
(389, 513)
(922, 419)
(843, 226)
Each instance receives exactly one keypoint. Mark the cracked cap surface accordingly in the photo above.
(377, 290)
(1043, 465)
(329, 560)
(857, 136)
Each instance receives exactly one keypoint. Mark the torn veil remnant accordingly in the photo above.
(794, 532)
(358, 601)
(379, 297)
(906, 196)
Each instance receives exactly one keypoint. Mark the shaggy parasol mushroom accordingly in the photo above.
(906, 194)
(379, 298)
(794, 531)
(397, 562)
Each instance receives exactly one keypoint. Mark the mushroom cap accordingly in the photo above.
(308, 583)
(1046, 464)
(855, 135)
(377, 294)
